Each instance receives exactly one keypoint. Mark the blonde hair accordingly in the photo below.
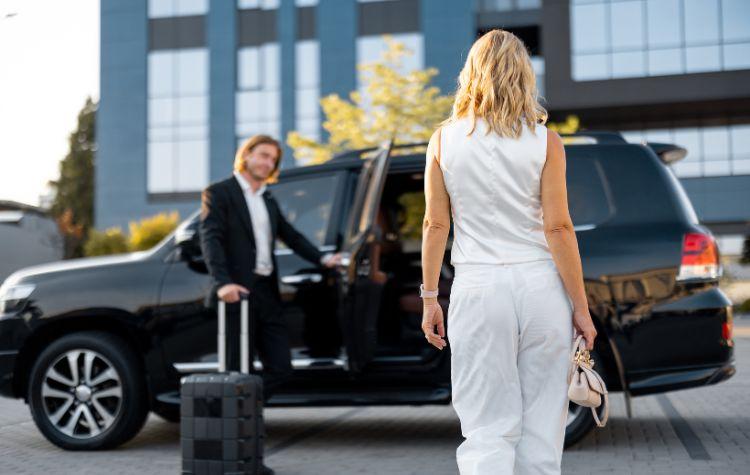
(498, 84)
(248, 146)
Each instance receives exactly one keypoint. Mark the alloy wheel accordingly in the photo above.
(81, 393)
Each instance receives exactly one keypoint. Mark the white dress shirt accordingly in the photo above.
(262, 227)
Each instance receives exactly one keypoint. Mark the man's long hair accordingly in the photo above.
(248, 146)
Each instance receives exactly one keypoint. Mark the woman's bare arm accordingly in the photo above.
(435, 229)
(561, 237)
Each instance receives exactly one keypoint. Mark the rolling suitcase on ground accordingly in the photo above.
(221, 427)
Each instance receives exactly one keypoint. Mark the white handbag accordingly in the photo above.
(586, 386)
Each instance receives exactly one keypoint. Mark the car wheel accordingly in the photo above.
(580, 421)
(87, 392)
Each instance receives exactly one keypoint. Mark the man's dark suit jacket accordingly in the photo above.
(227, 239)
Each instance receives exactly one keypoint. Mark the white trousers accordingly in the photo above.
(509, 328)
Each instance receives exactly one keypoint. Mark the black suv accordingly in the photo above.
(93, 345)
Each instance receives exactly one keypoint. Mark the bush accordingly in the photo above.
(146, 233)
(109, 241)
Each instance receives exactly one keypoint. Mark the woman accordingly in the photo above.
(518, 292)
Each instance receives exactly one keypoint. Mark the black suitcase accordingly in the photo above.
(221, 426)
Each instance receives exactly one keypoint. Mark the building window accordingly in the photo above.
(398, 19)
(258, 96)
(263, 4)
(613, 39)
(174, 8)
(537, 63)
(370, 48)
(308, 113)
(712, 150)
(258, 91)
(177, 121)
(507, 5)
(307, 82)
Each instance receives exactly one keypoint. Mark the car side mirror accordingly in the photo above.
(189, 243)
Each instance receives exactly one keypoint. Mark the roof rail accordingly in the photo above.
(357, 153)
(587, 136)
(593, 137)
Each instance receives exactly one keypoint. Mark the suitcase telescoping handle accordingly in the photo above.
(244, 334)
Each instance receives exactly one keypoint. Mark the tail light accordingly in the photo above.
(700, 257)
(726, 331)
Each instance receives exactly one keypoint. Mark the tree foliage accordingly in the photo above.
(143, 234)
(109, 241)
(570, 126)
(146, 233)
(73, 204)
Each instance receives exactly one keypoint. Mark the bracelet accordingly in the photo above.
(427, 293)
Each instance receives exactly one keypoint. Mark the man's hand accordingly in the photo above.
(333, 260)
(230, 293)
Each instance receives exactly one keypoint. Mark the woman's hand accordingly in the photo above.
(585, 326)
(432, 316)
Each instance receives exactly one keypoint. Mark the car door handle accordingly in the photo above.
(297, 279)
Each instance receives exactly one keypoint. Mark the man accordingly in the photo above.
(240, 220)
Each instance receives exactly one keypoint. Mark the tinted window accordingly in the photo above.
(306, 204)
(629, 179)
(589, 196)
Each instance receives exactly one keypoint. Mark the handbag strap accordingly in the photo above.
(605, 414)
(578, 344)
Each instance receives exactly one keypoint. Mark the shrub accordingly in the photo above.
(109, 241)
(147, 232)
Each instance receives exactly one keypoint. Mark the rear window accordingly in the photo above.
(619, 183)
(589, 196)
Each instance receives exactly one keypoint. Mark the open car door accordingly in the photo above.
(359, 294)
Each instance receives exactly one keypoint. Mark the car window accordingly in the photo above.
(624, 182)
(306, 204)
(589, 198)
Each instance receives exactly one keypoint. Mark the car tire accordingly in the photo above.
(87, 392)
(580, 419)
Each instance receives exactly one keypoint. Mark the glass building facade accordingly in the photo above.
(178, 88)
(637, 38)
(183, 82)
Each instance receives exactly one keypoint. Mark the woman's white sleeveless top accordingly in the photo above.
(494, 184)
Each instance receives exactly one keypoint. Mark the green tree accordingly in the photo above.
(73, 205)
(403, 106)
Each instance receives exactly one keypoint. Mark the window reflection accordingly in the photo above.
(258, 97)
(637, 38)
(506, 5)
(306, 204)
(307, 83)
(177, 120)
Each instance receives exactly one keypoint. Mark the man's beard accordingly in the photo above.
(255, 175)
